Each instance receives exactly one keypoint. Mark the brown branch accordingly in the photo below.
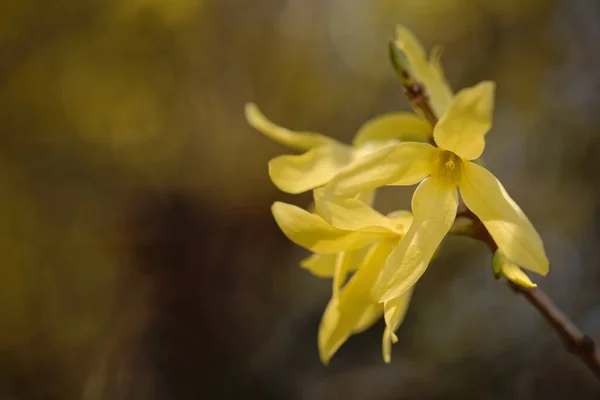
(576, 342)
(419, 99)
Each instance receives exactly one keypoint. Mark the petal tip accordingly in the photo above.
(278, 207)
(275, 174)
(545, 269)
(325, 360)
(252, 113)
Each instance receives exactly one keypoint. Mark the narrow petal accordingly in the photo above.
(429, 73)
(434, 208)
(463, 127)
(313, 233)
(320, 194)
(339, 323)
(292, 139)
(400, 126)
(509, 226)
(351, 214)
(354, 309)
(511, 271)
(394, 312)
(405, 163)
(316, 167)
(323, 265)
(340, 273)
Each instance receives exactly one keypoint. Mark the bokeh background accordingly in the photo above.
(139, 259)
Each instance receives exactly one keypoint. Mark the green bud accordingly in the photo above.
(400, 64)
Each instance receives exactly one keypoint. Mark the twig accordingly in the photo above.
(576, 342)
(419, 99)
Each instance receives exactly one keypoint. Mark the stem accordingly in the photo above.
(419, 99)
(576, 342)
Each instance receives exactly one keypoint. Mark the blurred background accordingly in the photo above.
(139, 256)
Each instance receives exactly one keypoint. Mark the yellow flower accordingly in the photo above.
(324, 157)
(355, 237)
(460, 137)
(427, 72)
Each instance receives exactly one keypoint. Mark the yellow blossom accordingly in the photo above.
(356, 237)
(442, 171)
(324, 157)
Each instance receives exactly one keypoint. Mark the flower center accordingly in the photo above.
(448, 167)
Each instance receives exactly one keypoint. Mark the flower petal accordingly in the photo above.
(295, 140)
(403, 220)
(434, 208)
(430, 74)
(312, 232)
(509, 226)
(351, 214)
(394, 312)
(340, 273)
(463, 127)
(503, 267)
(354, 309)
(404, 163)
(400, 126)
(367, 197)
(316, 167)
(323, 265)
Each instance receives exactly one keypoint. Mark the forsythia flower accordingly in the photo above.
(325, 157)
(388, 254)
(442, 171)
(361, 239)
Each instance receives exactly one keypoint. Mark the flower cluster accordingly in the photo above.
(375, 260)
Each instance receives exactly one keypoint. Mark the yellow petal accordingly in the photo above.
(394, 313)
(323, 265)
(292, 139)
(312, 232)
(429, 73)
(463, 127)
(316, 167)
(434, 207)
(509, 226)
(351, 214)
(405, 163)
(400, 126)
(367, 197)
(354, 309)
(338, 324)
(503, 267)
(403, 220)
(340, 272)
(319, 194)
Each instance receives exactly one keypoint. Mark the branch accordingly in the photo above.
(576, 342)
